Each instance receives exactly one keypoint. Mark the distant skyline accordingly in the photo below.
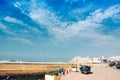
(58, 30)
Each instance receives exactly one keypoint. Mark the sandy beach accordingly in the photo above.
(97, 74)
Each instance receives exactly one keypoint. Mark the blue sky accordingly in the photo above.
(57, 30)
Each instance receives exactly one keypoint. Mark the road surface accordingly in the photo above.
(97, 74)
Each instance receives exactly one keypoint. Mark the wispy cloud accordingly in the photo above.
(19, 35)
(23, 6)
(17, 4)
(100, 15)
(13, 20)
(26, 26)
(59, 29)
(56, 28)
(88, 28)
(5, 29)
(2, 26)
(44, 17)
(21, 40)
(83, 28)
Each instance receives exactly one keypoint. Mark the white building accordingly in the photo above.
(80, 60)
(114, 58)
(96, 60)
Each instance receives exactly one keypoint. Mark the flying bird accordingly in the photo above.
(67, 25)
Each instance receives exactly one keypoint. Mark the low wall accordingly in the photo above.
(95, 65)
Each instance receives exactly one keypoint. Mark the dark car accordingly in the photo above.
(111, 64)
(85, 69)
(118, 65)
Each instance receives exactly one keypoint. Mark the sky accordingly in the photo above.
(58, 30)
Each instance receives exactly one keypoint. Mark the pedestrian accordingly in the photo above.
(7, 77)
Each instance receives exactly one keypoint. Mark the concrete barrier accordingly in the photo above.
(52, 77)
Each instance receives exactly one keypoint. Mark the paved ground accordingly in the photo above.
(98, 74)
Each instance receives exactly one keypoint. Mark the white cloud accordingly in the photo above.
(17, 4)
(22, 40)
(79, 29)
(87, 28)
(13, 20)
(44, 17)
(23, 6)
(100, 15)
(16, 39)
(79, 13)
(5, 29)
(82, 29)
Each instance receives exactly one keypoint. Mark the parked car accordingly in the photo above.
(111, 64)
(118, 65)
(85, 69)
